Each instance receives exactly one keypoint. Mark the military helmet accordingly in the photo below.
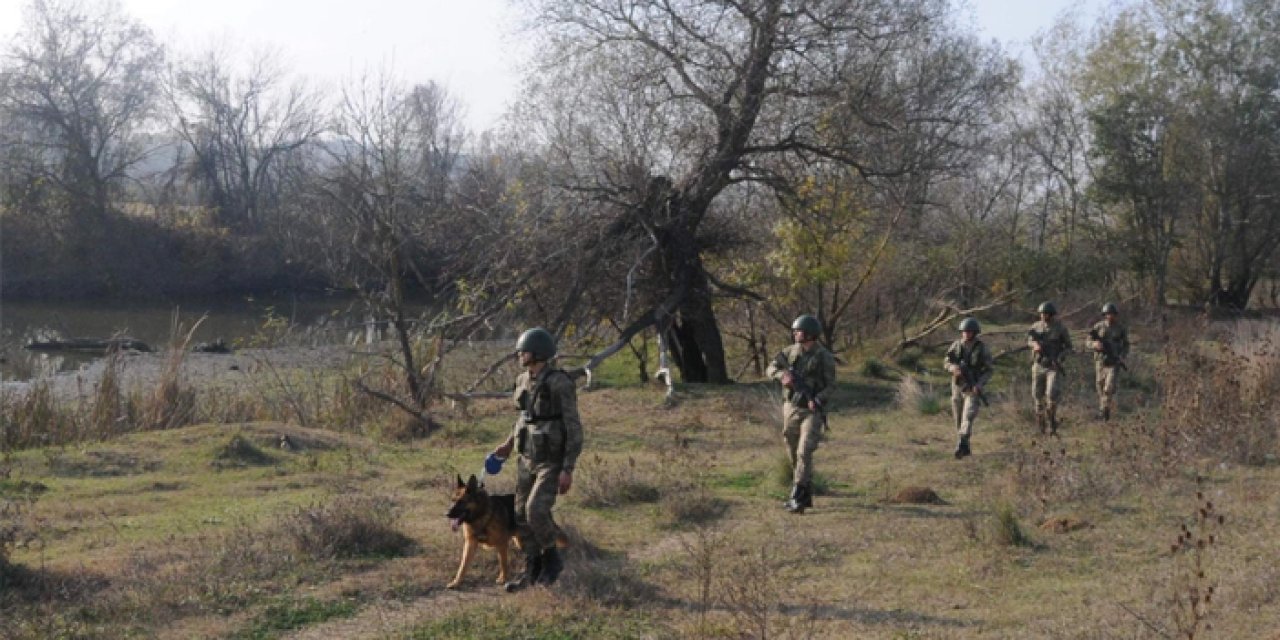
(970, 324)
(808, 324)
(539, 342)
(1110, 307)
(1047, 307)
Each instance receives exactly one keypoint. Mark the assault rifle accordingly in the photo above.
(801, 387)
(1109, 357)
(1050, 354)
(968, 376)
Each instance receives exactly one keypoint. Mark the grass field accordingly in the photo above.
(217, 531)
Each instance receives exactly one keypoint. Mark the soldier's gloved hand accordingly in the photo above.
(1097, 346)
(786, 379)
(566, 482)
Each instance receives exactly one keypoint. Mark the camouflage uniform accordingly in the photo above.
(549, 440)
(964, 406)
(802, 428)
(1046, 367)
(1116, 337)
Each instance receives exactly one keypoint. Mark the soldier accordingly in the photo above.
(971, 365)
(1049, 341)
(1110, 342)
(807, 371)
(548, 438)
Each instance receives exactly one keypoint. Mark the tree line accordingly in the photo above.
(697, 171)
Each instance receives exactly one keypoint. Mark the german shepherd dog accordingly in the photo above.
(486, 520)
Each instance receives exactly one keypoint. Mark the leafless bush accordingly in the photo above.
(1192, 588)
(750, 589)
(610, 484)
(350, 525)
(1187, 599)
(1222, 401)
(691, 502)
(601, 577)
(703, 548)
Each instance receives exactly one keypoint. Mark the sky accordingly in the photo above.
(472, 47)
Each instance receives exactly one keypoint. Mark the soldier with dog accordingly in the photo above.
(548, 438)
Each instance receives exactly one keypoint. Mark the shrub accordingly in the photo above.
(1222, 400)
(351, 525)
(692, 503)
(1006, 529)
(913, 395)
(874, 368)
(611, 484)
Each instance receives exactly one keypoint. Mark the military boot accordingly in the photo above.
(795, 504)
(962, 448)
(806, 497)
(1041, 423)
(552, 565)
(1053, 422)
(533, 569)
(1106, 414)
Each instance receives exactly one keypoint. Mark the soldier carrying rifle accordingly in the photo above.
(807, 371)
(1110, 342)
(1050, 342)
(971, 365)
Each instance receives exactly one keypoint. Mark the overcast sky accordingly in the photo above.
(471, 46)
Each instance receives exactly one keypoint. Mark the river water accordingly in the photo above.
(312, 319)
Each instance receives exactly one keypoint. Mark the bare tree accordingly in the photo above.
(79, 81)
(652, 109)
(239, 124)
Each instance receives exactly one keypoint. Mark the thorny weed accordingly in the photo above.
(1191, 599)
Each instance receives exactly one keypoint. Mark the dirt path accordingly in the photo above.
(386, 617)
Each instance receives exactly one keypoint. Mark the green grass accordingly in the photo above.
(287, 616)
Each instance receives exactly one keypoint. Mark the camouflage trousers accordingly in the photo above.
(802, 431)
(1105, 377)
(964, 409)
(1046, 388)
(536, 489)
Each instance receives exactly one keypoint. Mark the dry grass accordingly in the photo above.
(675, 524)
(912, 394)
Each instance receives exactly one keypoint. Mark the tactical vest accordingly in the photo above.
(542, 436)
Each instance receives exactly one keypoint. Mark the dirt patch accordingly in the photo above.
(916, 495)
(1065, 524)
